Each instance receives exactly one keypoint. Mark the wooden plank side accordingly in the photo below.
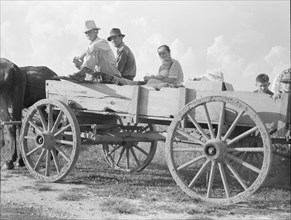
(96, 97)
(273, 112)
(163, 103)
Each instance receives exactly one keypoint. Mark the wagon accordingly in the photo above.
(218, 144)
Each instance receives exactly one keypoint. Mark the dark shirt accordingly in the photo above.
(126, 62)
(269, 92)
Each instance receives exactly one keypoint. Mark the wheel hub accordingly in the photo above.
(215, 150)
(45, 140)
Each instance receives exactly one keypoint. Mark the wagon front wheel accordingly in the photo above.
(50, 140)
(215, 160)
(131, 156)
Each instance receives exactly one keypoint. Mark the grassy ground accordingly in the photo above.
(156, 191)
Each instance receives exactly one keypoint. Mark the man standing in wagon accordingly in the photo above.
(99, 56)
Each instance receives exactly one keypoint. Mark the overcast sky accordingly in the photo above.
(240, 38)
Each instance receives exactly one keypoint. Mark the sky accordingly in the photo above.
(239, 38)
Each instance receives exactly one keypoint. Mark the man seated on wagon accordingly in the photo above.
(98, 60)
(284, 87)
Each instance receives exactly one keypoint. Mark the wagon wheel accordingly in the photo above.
(131, 156)
(50, 140)
(209, 162)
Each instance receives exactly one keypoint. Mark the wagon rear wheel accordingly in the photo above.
(214, 160)
(50, 140)
(131, 156)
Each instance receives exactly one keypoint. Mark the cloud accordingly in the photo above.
(221, 58)
(111, 8)
(140, 22)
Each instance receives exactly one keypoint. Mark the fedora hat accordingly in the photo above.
(89, 25)
(115, 32)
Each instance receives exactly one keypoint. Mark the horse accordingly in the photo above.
(35, 80)
(12, 90)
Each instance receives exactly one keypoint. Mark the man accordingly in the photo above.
(98, 58)
(125, 58)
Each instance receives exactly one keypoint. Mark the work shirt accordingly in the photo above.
(126, 62)
(99, 57)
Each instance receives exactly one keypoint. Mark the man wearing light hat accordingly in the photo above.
(125, 58)
(285, 83)
(98, 58)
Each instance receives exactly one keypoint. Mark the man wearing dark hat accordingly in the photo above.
(98, 58)
(125, 58)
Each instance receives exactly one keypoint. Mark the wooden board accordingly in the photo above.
(209, 85)
(96, 97)
(144, 101)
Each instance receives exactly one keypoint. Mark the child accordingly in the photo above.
(164, 69)
(262, 83)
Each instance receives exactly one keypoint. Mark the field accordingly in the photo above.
(93, 190)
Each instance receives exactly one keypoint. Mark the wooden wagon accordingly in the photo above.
(218, 144)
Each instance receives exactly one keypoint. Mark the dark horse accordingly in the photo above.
(31, 81)
(12, 89)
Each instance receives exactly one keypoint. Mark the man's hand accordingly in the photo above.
(277, 95)
(77, 61)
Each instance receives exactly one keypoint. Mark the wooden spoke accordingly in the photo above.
(199, 173)
(245, 149)
(211, 178)
(47, 163)
(114, 149)
(38, 129)
(134, 156)
(178, 148)
(245, 164)
(42, 119)
(39, 159)
(57, 122)
(191, 162)
(224, 179)
(61, 152)
(143, 151)
(120, 155)
(236, 175)
(64, 142)
(195, 123)
(62, 130)
(243, 135)
(221, 121)
(127, 158)
(29, 137)
(33, 150)
(233, 125)
(209, 121)
(56, 162)
(189, 136)
(50, 117)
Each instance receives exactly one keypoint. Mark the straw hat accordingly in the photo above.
(115, 32)
(89, 25)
